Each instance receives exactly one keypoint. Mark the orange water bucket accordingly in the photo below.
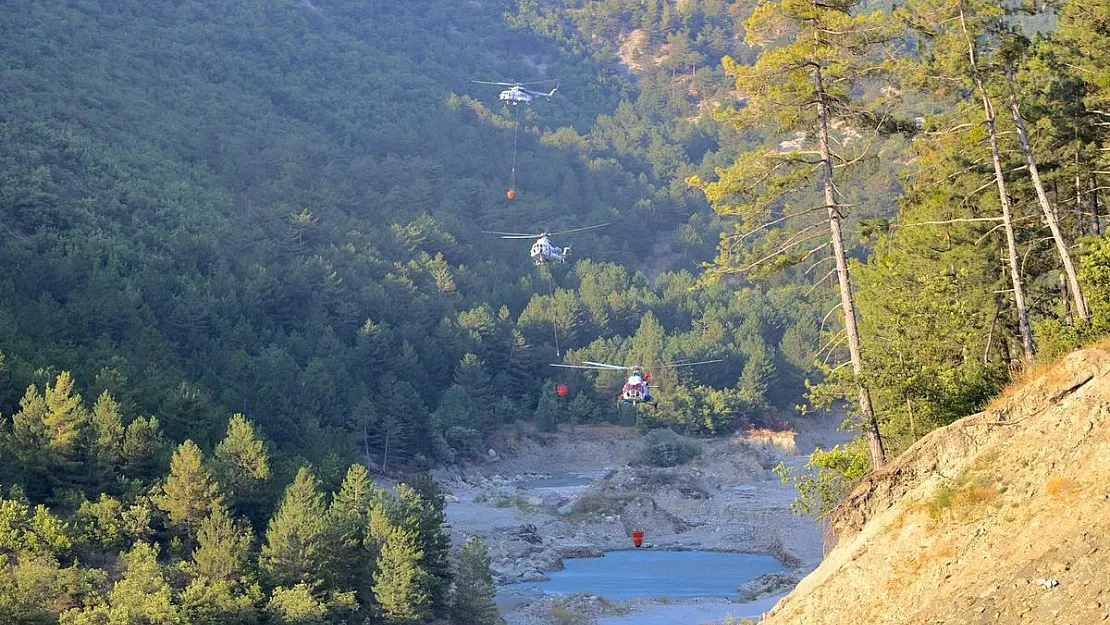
(638, 538)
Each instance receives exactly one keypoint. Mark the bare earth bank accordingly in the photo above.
(543, 499)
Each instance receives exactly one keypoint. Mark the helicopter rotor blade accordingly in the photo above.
(582, 229)
(512, 234)
(579, 367)
(688, 364)
(602, 365)
(501, 84)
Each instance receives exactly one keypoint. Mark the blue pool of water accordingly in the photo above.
(647, 573)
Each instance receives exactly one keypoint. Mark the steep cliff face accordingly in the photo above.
(1001, 517)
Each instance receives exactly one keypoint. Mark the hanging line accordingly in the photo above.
(554, 325)
(512, 176)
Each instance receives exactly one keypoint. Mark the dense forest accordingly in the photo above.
(243, 249)
(273, 210)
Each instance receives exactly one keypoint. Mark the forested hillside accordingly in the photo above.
(273, 213)
(275, 209)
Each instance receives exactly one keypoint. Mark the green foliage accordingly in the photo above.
(208, 602)
(108, 432)
(190, 494)
(298, 606)
(465, 443)
(143, 448)
(223, 549)
(246, 239)
(1055, 336)
(34, 532)
(472, 601)
(548, 410)
(827, 478)
(35, 589)
(102, 524)
(348, 523)
(422, 512)
(241, 462)
(701, 411)
(400, 585)
(142, 597)
(295, 551)
(664, 448)
(301, 241)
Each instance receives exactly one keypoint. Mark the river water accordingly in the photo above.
(650, 573)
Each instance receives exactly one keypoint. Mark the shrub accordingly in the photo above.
(664, 448)
(466, 443)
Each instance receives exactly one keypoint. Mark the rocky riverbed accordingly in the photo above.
(541, 500)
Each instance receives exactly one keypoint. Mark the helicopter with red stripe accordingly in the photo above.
(636, 390)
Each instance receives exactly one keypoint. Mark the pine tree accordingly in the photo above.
(298, 606)
(647, 345)
(348, 522)
(814, 54)
(241, 463)
(470, 374)
(28, 428)
(582, 409)
(424, 511)
(296, 549)
(35, 467)
(934, 312)
(208, 602)
(456, 409)
(143, 448)
(758, 375)
(547, 411)
(953, 34)
(108, 432)
(472, 602)
(441, 273)
(64, 416)
(400, 585)
(222, 548)
(190, 494)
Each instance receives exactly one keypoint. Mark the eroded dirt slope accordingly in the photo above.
(1001, 517)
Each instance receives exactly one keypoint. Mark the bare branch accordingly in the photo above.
(818, 283)
(740, 237)
(816, 263)
(781, 250)
(813, 251)
(946, 221)
(826, 318)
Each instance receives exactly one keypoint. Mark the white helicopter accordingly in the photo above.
(636, 390)
(517, 94)
(543, 251)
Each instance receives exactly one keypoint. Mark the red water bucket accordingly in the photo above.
(563, 391)
(638, 538)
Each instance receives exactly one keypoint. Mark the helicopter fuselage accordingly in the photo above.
(544, 252)
(636, 390)
(515, 95)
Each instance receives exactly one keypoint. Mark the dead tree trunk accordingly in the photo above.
(847, 302)
(1003, 196)
(1080, 303)
(1094, 209)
